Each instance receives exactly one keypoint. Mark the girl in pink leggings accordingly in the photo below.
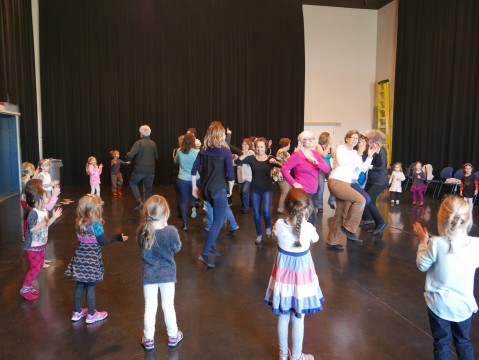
(418, 187)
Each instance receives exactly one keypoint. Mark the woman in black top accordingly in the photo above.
(261, 184)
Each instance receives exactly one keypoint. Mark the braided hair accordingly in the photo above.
(454, 217)
(298, 205)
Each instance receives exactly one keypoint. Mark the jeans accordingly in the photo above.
(95, 189)
(150, 292)
(313, 217)
(297, 334)
(229, 216)
(220, 204)
(363, 192)
(245, 195)
(444, 331)
(371, 211)
(349, 209)
(90, 297)
(318, 199)
(184, 199)
(262, 203)
(147, 185)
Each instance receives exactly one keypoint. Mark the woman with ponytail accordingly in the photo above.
(293, 289)
(159, 242)
(451, 260)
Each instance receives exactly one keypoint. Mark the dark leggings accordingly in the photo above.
(90, 296)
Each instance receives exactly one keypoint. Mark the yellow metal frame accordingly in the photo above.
(384, 119)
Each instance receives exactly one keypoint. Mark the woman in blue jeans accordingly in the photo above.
(185, 157)
(215, 166)
(261, 184)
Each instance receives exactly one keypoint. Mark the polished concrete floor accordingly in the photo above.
(374, 305)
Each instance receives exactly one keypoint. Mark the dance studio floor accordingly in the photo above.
(374, 305)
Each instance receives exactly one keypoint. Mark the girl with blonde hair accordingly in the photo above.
(158, 242)
(450, 260)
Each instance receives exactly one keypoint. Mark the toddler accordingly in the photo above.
(469, 185)
(159, 242)
(116, 176)
(36, 238)
(395, 189)
(94, 170)
(418, 187)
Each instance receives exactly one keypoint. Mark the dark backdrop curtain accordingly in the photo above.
(437, 83)
(17, 70)
(109, 67)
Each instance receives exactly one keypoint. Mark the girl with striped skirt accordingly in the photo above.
(293, 289)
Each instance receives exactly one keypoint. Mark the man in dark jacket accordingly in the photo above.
(144, 153)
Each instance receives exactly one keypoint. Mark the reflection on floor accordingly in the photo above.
(374, 305)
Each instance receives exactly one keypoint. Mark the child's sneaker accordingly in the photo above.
(119, 192)
(258, 240)
(148, 344)
(34, 291)
(193, 212)
(27, 294)
(284, 356)
(78, 315)
(174, 341)
(97, 316)
(115, 193)
(392, 201)
(397, 202)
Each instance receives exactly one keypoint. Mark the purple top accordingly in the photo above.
(305, 172)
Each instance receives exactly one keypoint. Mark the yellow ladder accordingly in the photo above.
(384, 120)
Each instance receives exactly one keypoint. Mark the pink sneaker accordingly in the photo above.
(97, 316)
(34, 291)
(174, 341)
(28, 295)
(148, 344)
(78, 315)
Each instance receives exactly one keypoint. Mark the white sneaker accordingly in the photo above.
(258, 240)
(397, 202)
(193, 212)
(392, 201)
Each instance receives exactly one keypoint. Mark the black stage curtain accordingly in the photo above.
(437, 83)
(109, 67)
(17, 70)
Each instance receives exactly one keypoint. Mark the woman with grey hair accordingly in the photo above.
(306, 163)
(376, 183)
(144, 153)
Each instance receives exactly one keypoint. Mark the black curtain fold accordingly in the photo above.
(17, 70)
(108, 69)
(437, 83)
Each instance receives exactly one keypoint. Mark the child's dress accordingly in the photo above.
(87, 264)
(294, 285)
(395, 181)
(46, 182)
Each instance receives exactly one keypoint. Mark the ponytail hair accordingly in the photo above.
(298, 205)
(155, 209)
(454, 217)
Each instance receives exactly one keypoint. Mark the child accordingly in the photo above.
(43, 171)
(86, 266)
(293, 289)
(159, 242)
(418, 187)
(395, 189)
(451, 260)
(49, 204)
(116, 176)
(469, 185)
(36, 238)
(94, 170)
(28, 170)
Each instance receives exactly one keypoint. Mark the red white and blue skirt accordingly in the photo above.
(293, 285)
